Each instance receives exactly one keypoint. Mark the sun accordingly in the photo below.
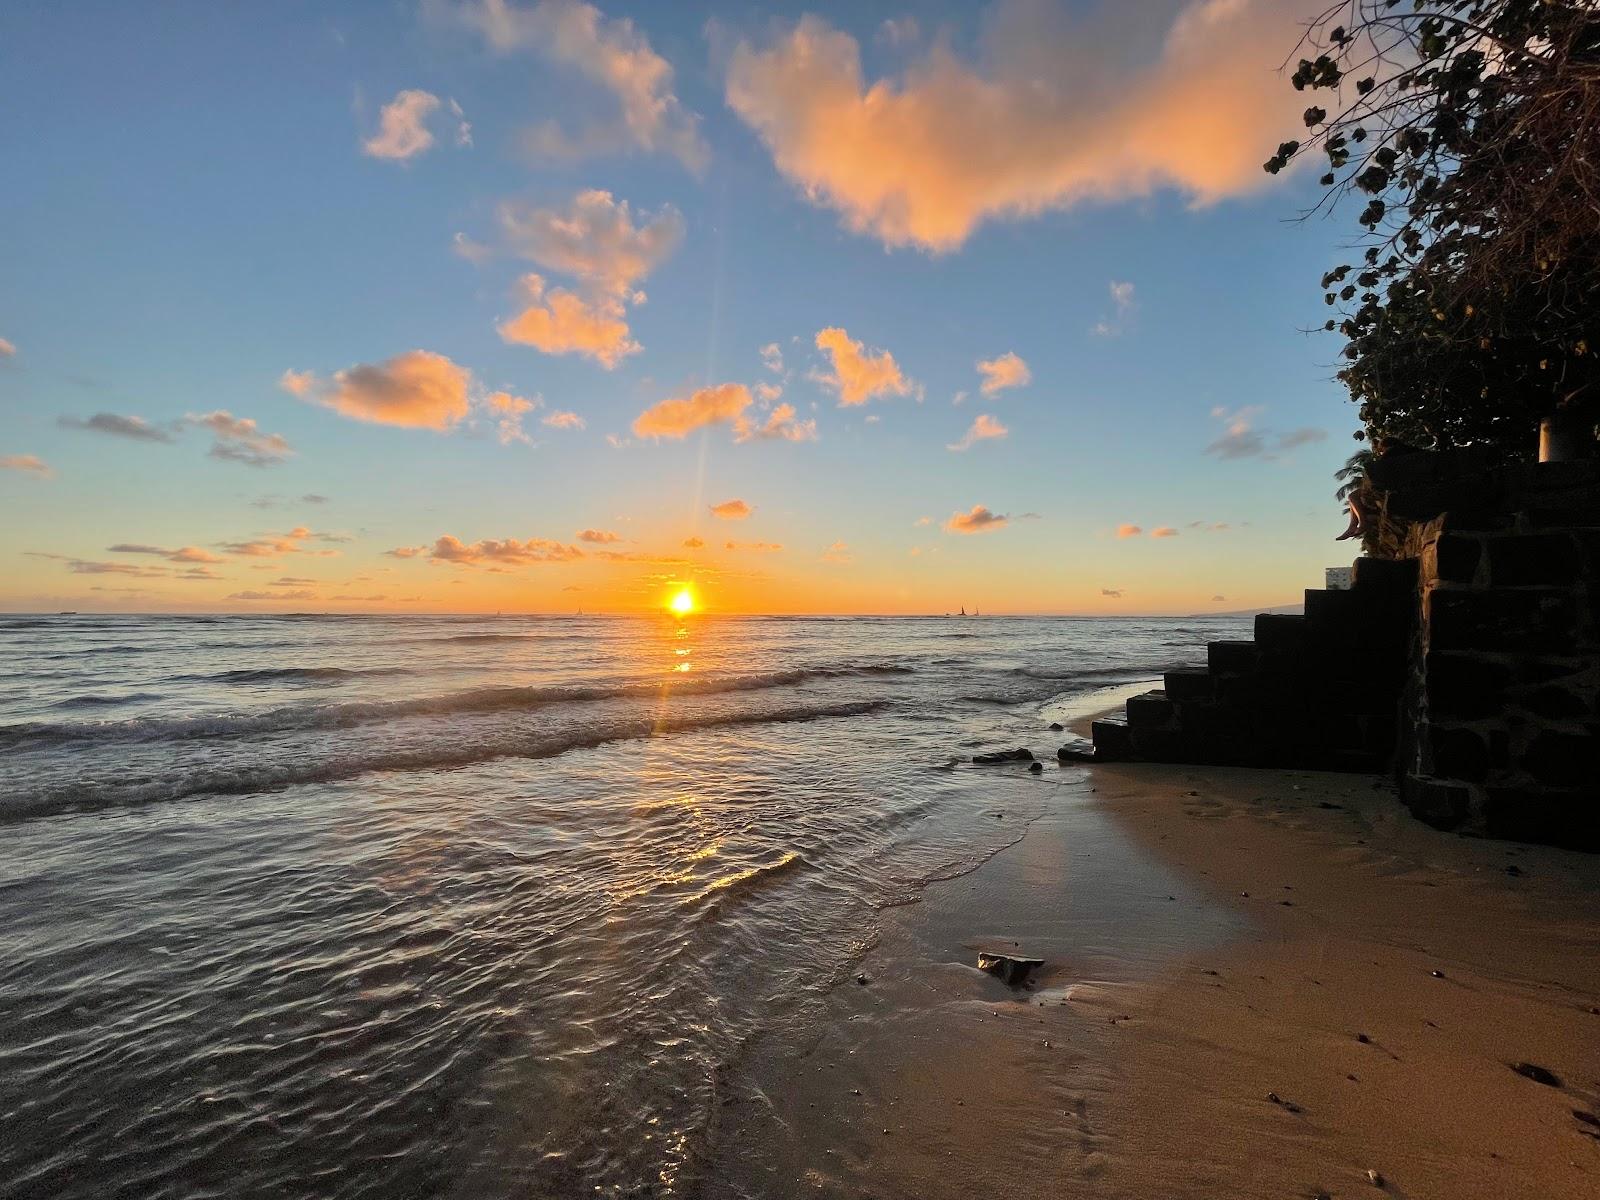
(682, 603)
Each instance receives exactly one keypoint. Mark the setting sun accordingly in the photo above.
(682, 603)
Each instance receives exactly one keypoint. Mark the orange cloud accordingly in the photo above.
(1129, 531)
(29, 464)
(1163, 531)
(295, 595)
(694, 543)
(611, 53)
(754, 547)
(414, 390)
(7, 349)
(601, 536)
(859, 375)
(565, 323)
(184, 554)
(838, 553)
(271, 545)
(780, 423)
(723, 404)
(1006, 371)
(731, 510)
(595, 240)
(984, 428)
(564, 420)
(507, 411)
(506, 552)
(978, 520)
(1044, 120)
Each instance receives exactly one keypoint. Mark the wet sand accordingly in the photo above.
(1256, 984)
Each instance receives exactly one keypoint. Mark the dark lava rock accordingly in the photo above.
(1011, 969)
(1003, 756)
(1037, 768)
(1056, 726)
(1538, 1074)
(1082, 752)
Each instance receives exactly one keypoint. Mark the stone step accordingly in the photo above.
(1152, 710)
(1232, 658)
(1387, 577)
(1111, 738)
(1281, 631)
(1189, 685)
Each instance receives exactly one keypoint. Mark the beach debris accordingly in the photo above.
(1437, 974)
(1375, 1178)
(1288, 1106)
(1056, 726)
(1363, 1039)
(1011, 969)
(1003, 756)
(1537, 1073)
(1037, 768)
(862, 979)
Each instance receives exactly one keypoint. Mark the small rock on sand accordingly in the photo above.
(1037, 768)
(1056, 726)
(1003, 756)
(1010, 969)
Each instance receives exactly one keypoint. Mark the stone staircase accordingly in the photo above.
(1319, 690)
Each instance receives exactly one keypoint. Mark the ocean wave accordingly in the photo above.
(292, 674)
(347, 714)
(104, 701)
(501, 637)
(207, 780)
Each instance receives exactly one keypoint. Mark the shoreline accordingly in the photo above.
(1218, 943)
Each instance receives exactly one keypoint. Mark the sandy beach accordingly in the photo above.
(1257, 983)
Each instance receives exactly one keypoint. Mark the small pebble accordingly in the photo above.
(1438, 974)
(1375, 1179)
(1363, 1039)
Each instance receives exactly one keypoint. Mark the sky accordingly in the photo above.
(538, 306)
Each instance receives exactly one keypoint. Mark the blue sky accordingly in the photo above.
(202, 199)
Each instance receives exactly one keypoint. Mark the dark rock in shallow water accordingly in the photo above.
(1056, 726)
(1037, 768)
(1081, 751)
(1011, 969)
(1538, 1074)
(1003, 756)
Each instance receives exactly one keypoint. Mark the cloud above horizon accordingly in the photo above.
(679, 416)
(985, 428)
(611, 53)
(594, 240)
(403, 131)
(859, 375)
(732, 510)
(1123, 305)
(782, 424)
(1043, 119)
(414, 390)
(1005, 371)
(1241, 439)
(240, 439)
(563, 322)
(977, 520)
(498, 552)
(118, 426)
(28, 464)
(184, 554)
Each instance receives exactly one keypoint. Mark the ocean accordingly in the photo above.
(478, 906)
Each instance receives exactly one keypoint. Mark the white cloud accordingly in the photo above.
(7, 349)
(1123, 305)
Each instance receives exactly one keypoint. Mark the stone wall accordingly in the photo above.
(1500, 718)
